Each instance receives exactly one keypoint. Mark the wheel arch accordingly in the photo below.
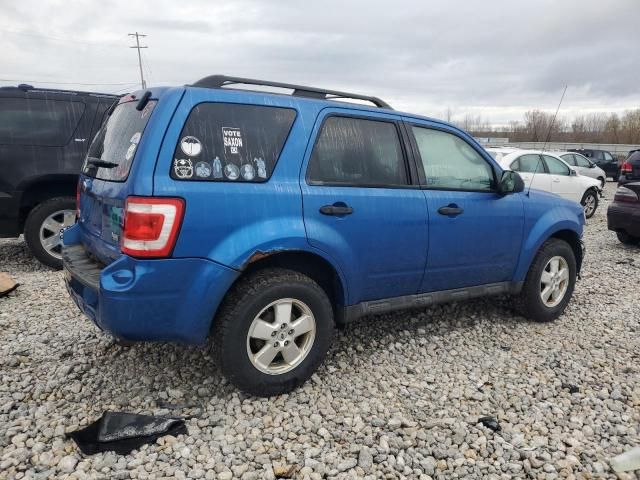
(40, 189)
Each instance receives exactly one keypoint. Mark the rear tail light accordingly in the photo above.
(626, 168)
(78, 186)
(624, 194)
(151, 226)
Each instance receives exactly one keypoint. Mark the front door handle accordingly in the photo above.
(451, 210)
(337, 209)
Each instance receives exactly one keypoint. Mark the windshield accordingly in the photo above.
(112, 151)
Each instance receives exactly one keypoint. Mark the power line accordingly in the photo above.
(58, 39)
(63, 83)
(138, 47)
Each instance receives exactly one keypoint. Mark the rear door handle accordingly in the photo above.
(337, 209)
(451, 210)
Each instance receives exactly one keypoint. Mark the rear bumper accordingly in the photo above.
(624, 217)
(146, 300)
(625, 178)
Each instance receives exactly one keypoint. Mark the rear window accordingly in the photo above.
(229, 142)
(38, 122)
(113, 150)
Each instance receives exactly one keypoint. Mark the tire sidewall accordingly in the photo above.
(592, 193)
(534, 302)
(34, 222)
(235, 356)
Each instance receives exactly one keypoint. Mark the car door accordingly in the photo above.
(475, 233)
(532, 170)
(361, 206)
(562, 182)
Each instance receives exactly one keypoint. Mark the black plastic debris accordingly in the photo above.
(122, 432)
(491, 423)
(571, 388)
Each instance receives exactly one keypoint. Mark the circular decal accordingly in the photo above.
(130, 151)
(248, 172)
(232, 171)
(135, 138)
(191, 146)
(183, 168)
(203, 170)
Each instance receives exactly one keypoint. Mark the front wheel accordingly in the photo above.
(550, 282)
(589, 203)
(43, 226)
(627, 239)
(273, 330)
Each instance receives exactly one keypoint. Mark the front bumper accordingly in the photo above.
(171, 300)
(624, 217)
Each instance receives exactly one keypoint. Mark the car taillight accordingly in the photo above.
(626, 168)
(78, 186)
(151, 226)
(624, 194)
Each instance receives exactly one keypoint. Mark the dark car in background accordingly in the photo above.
(623, 215)
(44, 136)
(603, 159)
(630, 170)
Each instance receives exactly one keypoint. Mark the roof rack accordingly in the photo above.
(219, 81)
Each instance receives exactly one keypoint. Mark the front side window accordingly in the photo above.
(608, 157)
(451, 163)
(231, 142)
(581, 161)
(555, 166)
(38, 122)
(357, 152)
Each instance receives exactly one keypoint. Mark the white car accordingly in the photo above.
(583, 166)
(546, 171)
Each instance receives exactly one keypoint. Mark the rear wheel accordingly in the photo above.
(273, 331)
(589, 203)
(550, 282)
(627, 239)
(43, 226)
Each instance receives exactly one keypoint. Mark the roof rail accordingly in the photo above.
(219, 81)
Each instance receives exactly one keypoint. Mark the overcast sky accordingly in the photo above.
(495, 58)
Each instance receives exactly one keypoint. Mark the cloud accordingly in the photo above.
(497, 58)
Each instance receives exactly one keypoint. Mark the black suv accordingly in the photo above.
(44, 136)
(602, 158)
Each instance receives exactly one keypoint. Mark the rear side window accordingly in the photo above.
(113, 149)
(38, 122)
(357, 152)
(229, 142)
(529, 163)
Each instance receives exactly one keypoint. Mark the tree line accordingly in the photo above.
(537, 125)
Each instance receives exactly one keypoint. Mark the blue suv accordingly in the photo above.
(264, 220)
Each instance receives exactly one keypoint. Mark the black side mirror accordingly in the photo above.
(511, 182)
(572, 173)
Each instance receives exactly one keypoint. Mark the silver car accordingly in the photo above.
(584, 166)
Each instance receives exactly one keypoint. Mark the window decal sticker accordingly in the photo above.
(232, 140)
(232, 171)
(261, 166)
(183, 168)
(217, 168)
(203, 170)
(248, 172)
(190, 146)
(130, 151)
(135, 138)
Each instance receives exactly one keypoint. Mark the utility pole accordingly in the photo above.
(137, 46)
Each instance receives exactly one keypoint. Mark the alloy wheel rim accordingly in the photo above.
(589, 205)
(554, 281)
(281, 336)
(50, 230)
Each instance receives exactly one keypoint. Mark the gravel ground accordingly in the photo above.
(399, 396)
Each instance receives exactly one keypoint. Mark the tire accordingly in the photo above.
(627, 239)
(49, 217)
(529, 303)
(590, 196)
(234, 341)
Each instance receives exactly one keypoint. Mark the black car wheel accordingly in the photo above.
(590, 203)
(549, 284)
(43, 226)
(273, 331)
(627, 239)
